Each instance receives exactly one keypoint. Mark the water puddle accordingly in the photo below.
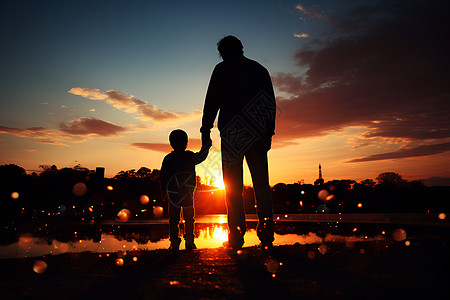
(115, 239)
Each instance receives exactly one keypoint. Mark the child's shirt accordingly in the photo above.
(178, 169)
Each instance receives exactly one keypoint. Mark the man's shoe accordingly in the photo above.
(229, 246)
(174, 247)
(191, 246)
(266, 246)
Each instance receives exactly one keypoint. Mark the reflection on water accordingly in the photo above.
(123, 239)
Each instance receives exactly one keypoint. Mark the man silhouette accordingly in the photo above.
(241, 91)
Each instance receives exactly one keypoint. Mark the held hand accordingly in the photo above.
(206, 140)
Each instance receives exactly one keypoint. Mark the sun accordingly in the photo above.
(220, 184)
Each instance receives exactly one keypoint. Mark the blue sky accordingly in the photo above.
(163, 53)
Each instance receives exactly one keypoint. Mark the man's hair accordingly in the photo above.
(178, 139)
(229, 46)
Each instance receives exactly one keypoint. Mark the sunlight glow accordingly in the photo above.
(220, 233)
(219, 183)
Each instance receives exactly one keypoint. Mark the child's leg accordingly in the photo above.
(188, 216)
(174, 221)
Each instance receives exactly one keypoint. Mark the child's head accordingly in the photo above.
(178, 139)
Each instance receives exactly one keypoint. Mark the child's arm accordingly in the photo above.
(202, 154)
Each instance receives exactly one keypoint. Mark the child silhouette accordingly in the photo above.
(178, 180)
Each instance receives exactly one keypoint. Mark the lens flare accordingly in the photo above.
(323, 249)
(123, 215)
(329, 197)
(119, 262)
(311, 254)
(144, 199)
(39, 266)
(158, 211)
(272, 265)
(79, 189)
(399, 234)
(323, 194)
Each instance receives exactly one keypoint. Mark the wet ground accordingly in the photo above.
(419, 269)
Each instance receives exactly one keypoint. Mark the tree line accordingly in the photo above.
(78, 193)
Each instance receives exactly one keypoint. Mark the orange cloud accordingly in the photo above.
(131, 104)
(74, 132)
(423, 150)
(87, 126)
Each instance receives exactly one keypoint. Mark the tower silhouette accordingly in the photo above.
(320, 180)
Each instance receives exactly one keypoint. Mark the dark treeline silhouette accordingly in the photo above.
(79, 194)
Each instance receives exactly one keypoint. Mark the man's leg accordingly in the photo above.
(233, 179)
(258, 165)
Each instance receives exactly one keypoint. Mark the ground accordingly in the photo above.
(366, 270)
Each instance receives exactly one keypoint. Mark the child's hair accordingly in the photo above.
(178, 139)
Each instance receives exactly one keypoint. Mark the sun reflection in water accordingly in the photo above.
(220, 234)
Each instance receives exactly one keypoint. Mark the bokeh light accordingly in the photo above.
(311, 254)
(144, 199)
(62, 208)
(79, 189)
(123, 215)
(109, 188)
(399, 234)
(15, 195)
(442, 216)
(39, 266)
(158, 211)
(323, 249)
(272, 265)
(407, 243)
(323, 194)
(323, 209)
(119, 262)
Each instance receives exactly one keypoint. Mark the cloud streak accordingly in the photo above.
(193, 145)
(74, 132)
(423, 150)
(386, 72)
(89, 126)
(131, 104)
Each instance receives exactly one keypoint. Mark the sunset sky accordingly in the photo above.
(362, 87)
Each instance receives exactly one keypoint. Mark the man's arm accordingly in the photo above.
(211, 107)
(271, 94)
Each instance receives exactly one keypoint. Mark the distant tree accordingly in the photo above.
(80, 168)
(11, 170)
(390, 178)
(48, 170)
(144, 172)
(368, 183)
(126, 174)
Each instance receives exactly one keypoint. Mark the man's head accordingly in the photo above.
(230, 46)
(178, 139)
